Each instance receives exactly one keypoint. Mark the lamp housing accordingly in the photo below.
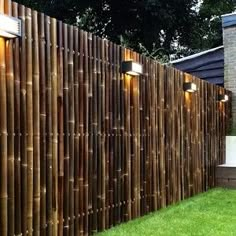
(10, 27)
(190, 87)
(223, 98)
(131, 68)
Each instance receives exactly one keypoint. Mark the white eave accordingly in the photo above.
(196, 55)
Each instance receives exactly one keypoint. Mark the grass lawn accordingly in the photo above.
(212, 213)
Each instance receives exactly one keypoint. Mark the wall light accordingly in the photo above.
(223, 98)
(131, 68)
(190, 87)
(10, 27)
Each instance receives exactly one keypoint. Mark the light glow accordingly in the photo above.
(10, 27)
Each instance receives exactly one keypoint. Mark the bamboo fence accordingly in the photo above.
(84, 147)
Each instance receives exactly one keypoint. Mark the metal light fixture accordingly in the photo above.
(190, 87)
(131, 68)
(10, 27)
(223, 98)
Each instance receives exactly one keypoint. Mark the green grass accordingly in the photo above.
(209, 214)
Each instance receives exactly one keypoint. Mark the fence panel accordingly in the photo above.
(84, 147)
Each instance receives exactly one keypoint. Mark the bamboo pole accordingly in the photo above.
(10, 128)
(109, 134)
(24, 164)
(122, 134)
(153, 135)
(86, 123)
(99, 155)
(3, 140)
(36, 128)
(102, 144)
(66, 131)
(81, 131)
(60, 131)
(161, 135)
(77, 111)
(127, 179)
(106, 134)
(90, 131)
(54, 94)
(94, 135)
(29, 127)
(71, 126)
(117, 131)
(49, 161)
(42, 59)
(17, 119)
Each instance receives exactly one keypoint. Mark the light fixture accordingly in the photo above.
(10, 27)
(223, 98)
(131, 68)
(190, 87)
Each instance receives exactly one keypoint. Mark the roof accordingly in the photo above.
(229, 19)
(207, 65)
(196, 55)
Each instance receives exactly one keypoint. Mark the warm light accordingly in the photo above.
(223, 98)
(10, 27)
(190, 87)
(132, 68)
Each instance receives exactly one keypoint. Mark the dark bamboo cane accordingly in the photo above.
(49, 184)
(141, 98)
(3, 140)
(106, 132)
(77, 111)
(10, 128)
(127, 79)
(24, 165)
(90, 131)
(114, 137)
(148, 140)
(122, 133)
(117, 131)
(17, 120)
(86, 122)
(94, 135)
(36, 127)
(145, 131)
(29, 112)
(66, 131)
(54, 94)
(60, 130)
(161, 135)
(81, 130)
(71, 125)
(99, 183)
(153, 136)
(42, 59)
(110, 137)
(103, 159)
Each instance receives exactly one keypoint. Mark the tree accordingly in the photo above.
(157, 28)
(208, 24)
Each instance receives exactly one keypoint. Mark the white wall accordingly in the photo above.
(230, 150)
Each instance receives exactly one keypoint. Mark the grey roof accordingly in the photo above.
(207, 65)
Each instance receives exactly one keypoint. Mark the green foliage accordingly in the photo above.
(212, 213)
(208, 24)
(157, 28)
